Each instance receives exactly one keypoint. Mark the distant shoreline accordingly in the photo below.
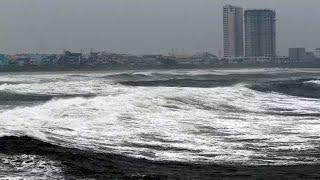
(160, 67)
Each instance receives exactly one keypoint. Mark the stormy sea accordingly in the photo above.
(161, 124)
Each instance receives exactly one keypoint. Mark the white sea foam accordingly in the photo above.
(29, 167)
(317, 82)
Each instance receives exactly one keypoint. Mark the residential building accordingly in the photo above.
(301, 55)
(297, 54)
(3, 60)
(70, 59)
(310, 57)
(260, 33)
(233, 31)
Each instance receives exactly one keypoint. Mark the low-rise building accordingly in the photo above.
(300, 55)
(297, 54)
(205, 58)
(70, 59)
(3, 60)
(316, 52)
(21, 60)
(49, 60)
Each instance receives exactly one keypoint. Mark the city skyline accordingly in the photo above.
(142, 27)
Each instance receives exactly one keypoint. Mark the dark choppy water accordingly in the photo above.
(240, 117)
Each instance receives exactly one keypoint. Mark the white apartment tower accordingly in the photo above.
(233, 31)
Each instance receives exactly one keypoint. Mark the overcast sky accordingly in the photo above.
(143, 26)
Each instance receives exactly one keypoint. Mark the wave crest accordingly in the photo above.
(7, 96)
(180, 83)
(301, 87)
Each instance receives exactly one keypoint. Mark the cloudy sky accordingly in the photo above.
(143, 26)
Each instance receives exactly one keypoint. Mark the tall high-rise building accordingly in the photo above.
(233, 31)
(260, 33)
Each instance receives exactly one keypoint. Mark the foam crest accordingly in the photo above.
(222, 124)
(317, 82)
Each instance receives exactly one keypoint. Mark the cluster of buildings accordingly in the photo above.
(71, 60)
(26, 60)
(250, 37)
(249, 34)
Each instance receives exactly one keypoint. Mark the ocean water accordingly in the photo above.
(246, 117)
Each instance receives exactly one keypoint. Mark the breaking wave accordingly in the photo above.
(300, 87)
(180, 83)
(7, 96)
(127, 75)
(242, 75)
(314, 82)
(221, 125)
